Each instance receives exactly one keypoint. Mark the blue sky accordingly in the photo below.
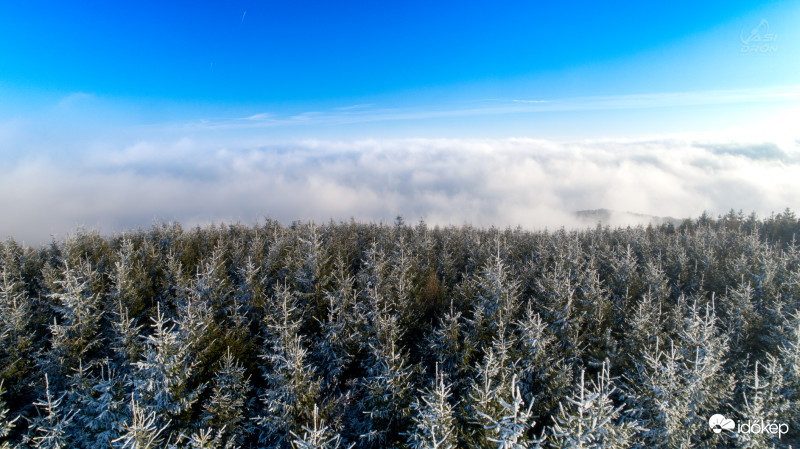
(101, 81)
(187, 59)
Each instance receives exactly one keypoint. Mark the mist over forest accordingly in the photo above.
(126, 182)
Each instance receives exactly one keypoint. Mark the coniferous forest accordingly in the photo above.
(403, 336)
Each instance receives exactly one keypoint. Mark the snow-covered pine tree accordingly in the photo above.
(388, 393)
(589, 418)
(451, 347)
(373, 276)
(162, 379)
(789, 355)
(109, 407)
(126, 341)
(99, 404)
(557, 302)
(678, 266)
(196, 318)
(309, 263)
(6, 423)
(506, 423)
(658, 399)
(738, 315)
(499, 416)
(225, 410)
(142, 431)
(765, 399)
(680, 383)
(176, 285)
(544, 378)
(482, 400)
(317, 435)
(16, 344)
(705, 348)
(767, 280)
(434, 424)
(594, 304)
(50, 429)
(338, 345)
(247, 299)
(644, 327)
(292, 384)
(133, 283)
(387, 385)
(655, 281)
(276, 254)
(624, 281)
(401, 287)
(211, 284)
(205, 439)
(77, 334)
(497, 298)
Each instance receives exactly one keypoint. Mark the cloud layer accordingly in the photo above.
(532, 183)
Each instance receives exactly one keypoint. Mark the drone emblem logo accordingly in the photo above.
(759, 39)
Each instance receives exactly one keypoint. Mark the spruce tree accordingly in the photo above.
(309, 263)
(16, 342)
(76, 330)
(6, 424)
(451, 346)
(143, 430)
(205, 439)
(497, 300)
(317, 435)
(434, 424)
(225, 410)
(544, 377)
(789, 356)
(499, 416)
(387, 384)
(590, 419)
(338, 345)
(292, 385)
(161, 382)
(680, 383)
(50, 429)
(387, 388)
(765, 400)
(99, 404)
(506, 423)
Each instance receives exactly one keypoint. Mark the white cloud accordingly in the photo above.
(533, 183)
(75, 99)
(369, 113)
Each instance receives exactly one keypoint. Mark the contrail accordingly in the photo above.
(245, 13)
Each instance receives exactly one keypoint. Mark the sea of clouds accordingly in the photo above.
(483, 182)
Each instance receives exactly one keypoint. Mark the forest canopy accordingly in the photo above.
(403, 335)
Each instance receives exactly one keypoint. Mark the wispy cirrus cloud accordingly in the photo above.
(367, 113)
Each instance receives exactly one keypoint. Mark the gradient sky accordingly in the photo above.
(99, 86)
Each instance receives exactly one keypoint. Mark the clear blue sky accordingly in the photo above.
(297, 56)
(192, 110)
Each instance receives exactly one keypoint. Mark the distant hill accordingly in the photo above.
(619, 218)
